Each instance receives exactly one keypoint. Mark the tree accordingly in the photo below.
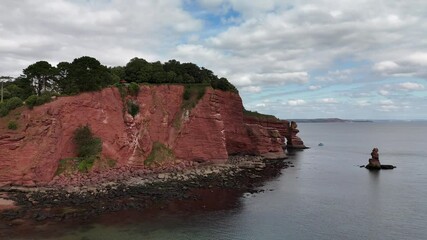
(25, 86)
(88, 74)
(136, 70)
(118, 73)
(3, 79)
(65, 85)
(41, 75)
(224, 85)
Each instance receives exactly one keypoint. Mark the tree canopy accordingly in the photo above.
(88, 74)
(41, 75)
(139, 70)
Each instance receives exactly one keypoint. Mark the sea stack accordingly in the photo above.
(374, 161)
(293, 141)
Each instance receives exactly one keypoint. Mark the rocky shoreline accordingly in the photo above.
(82, 198)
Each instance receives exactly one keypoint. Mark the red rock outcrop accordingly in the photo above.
(243, 138)
(212, 130)
(292, 140)
(280, 125)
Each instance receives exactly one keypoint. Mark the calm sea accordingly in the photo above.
(325, 196)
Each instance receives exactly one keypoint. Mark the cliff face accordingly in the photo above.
(212, 130)
(281, 125)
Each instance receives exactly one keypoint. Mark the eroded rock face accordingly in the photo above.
(201, 137)
(292, 140)
(280, 125)
(212, 130)
(247, 137)
(32, 153)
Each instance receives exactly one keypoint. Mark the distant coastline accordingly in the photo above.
(327, 120)
(339, 120)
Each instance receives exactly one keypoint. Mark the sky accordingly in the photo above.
(351, 59)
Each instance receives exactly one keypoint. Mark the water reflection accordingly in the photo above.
(374, 176)
(160, 214)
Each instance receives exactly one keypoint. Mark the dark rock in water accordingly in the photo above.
(381, 167)
(320, 145)
(387, 166)
(374, 162)
(372, 167)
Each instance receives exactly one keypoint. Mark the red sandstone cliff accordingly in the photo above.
(212, 130)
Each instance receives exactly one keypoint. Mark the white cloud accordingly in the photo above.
(388, 108)
(411, 86)
(112, 31)
(252, 89)
(325, 43)
(383, 92)
(327, 100)
(314, 87)
(296, 102)
(418, 58)
(385, 66)
(336, 76)
(363, 103)
(386, 102)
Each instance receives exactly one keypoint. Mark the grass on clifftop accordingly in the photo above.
(159, 153)
(259, 115)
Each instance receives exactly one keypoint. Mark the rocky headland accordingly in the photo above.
(209, 142)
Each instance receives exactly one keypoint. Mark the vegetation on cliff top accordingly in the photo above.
(260, 116)
(43, 80)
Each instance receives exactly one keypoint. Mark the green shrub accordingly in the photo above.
(201, 92)
(258, 115)
(12, 125)
(3, 110)
(85, 164)
(122, 91)
(44, 98)
(13, 103)
(67, 166)
(133, 108)
(86, 144)
(192, 94)
(133, 89)
(34, 100)
(224, 85)
(31, 101)
(187, 93)
(159, 153)
(88, 148)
